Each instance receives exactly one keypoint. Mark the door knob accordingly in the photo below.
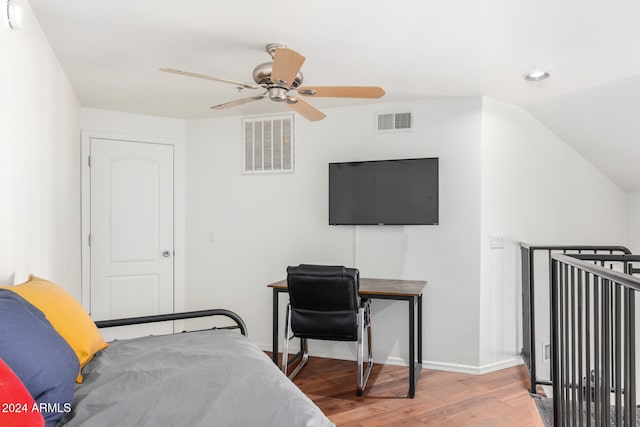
(166, 254)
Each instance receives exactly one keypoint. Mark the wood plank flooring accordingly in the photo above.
(442, 398)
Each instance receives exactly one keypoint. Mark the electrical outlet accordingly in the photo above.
(546, 351)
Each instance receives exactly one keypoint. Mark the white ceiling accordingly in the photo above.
(111, 50)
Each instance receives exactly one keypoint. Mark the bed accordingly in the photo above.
(212, 377)
(202, 378)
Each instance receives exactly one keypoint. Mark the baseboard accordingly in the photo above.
(474, 370)
(436, 366)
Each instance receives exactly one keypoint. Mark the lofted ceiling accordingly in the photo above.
(414, 49)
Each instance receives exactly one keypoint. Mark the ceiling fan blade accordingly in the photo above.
(342, 91)
(286, 66)
(305, 109)
(203, 76)
(238, 102)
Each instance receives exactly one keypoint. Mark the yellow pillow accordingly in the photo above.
(66, 316)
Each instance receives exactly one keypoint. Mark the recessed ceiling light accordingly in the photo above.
(13, 14)
(536, 75)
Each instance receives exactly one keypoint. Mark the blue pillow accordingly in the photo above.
(38, 355)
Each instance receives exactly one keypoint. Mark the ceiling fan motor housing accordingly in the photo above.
(262, 76)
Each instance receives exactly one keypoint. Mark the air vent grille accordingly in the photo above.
(268, 144)
(395, 121)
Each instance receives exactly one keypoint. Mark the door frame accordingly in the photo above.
(178, 210)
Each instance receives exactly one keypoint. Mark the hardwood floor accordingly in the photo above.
(442, 398)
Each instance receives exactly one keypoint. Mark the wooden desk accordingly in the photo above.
(401, 290)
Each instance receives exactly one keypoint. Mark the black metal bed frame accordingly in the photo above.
(593, 339)
(239, 323)
(529, 313)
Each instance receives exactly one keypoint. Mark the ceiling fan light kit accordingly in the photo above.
(282, 77)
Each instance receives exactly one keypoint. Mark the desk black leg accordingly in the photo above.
(274, 343)
(419, 334)
(418, 367)
(412, 354)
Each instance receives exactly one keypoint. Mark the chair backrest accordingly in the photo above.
(324, 301)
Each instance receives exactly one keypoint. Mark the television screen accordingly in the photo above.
(384, 192)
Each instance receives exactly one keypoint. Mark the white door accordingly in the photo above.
(131, 231)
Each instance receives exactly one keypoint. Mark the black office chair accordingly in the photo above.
(324, 304)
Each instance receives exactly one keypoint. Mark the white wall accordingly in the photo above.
(633, 222)
(536, 189)
(128, 124)
(39, 168)
(264, 223)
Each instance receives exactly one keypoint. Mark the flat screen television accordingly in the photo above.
(384, 192)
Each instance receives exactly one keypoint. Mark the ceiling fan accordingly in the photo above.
(281, 79)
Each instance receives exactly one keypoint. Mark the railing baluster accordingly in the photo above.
(596, 347)
(550, 280)
(565, 339)
(580, 348)
(555, 340)
(631, 355)
(588, 316)
(532, 319)
(617, 355)
(606, 359)
(572, 346)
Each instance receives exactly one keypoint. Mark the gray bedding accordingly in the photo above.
(206, 378)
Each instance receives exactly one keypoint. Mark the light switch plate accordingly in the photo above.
(497, 240)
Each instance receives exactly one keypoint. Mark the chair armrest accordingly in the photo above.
(365, 304)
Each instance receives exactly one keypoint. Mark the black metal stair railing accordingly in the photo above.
(538, 258)
(593, 339)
